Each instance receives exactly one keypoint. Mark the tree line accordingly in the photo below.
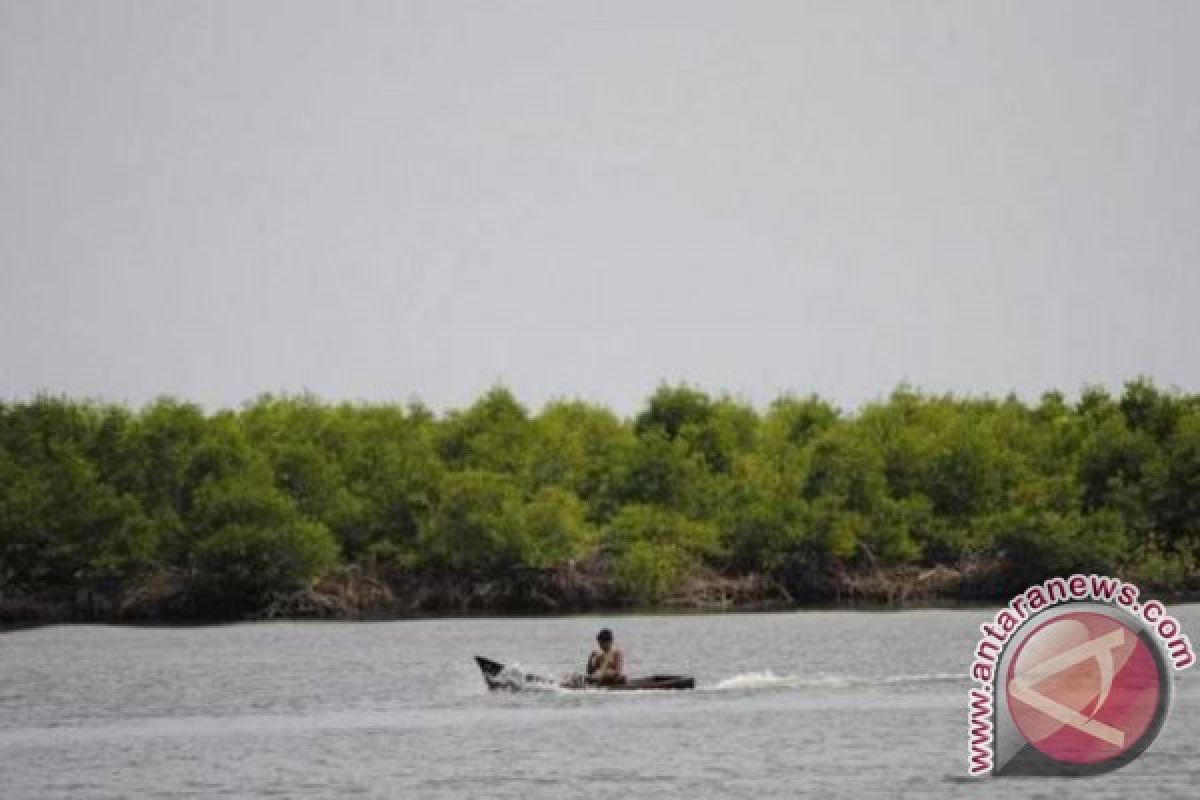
(271, 497)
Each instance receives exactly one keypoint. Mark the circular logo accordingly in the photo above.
(1088, 690)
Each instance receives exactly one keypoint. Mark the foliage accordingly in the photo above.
(656, 548)
(476, 524)
(270, 497)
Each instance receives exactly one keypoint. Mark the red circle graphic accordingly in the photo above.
(1083, 688)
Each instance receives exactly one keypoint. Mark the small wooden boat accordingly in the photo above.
(498, 676)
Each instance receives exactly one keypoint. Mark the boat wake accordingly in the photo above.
(766, 679)
(526, 679)
(515, 677)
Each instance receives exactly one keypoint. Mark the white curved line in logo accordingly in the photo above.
(1101, 649)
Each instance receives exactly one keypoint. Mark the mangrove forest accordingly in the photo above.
(292, 506)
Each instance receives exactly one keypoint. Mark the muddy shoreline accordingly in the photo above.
(355, 593)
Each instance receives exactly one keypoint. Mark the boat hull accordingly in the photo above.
(498, 677)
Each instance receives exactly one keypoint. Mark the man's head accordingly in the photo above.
(605, 639)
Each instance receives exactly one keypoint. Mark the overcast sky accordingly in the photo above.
(398, 200)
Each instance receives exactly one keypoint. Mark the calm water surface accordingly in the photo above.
(821, 704)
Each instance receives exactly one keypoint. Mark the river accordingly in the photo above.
(821, 704)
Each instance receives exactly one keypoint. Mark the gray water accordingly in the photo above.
(822, 704)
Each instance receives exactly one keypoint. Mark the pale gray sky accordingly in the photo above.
(387, 200)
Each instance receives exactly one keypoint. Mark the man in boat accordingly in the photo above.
(606, 666)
